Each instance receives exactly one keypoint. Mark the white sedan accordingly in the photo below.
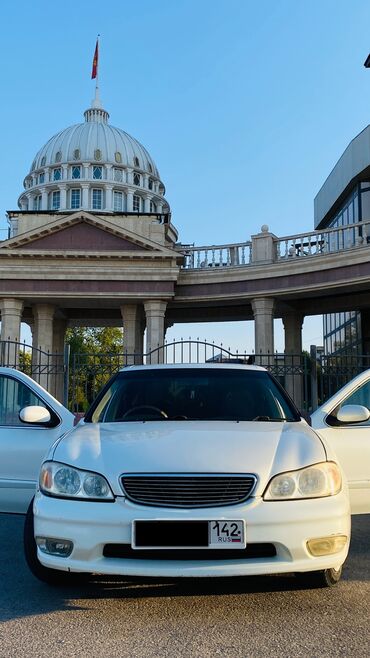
(192, 470)
(344, 422)
(30, 421)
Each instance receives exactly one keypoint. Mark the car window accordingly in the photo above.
(14, 395)
(192, 394)
(360, 396)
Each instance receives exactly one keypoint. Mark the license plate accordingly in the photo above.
(188, 534)
(226, 534)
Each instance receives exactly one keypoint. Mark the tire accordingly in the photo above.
(45, 574)
(323, 578)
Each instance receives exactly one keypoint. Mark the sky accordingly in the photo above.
(245, 107)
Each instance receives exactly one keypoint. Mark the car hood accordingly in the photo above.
(263, 448)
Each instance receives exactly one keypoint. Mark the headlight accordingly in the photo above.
(314, 481)
(66, 482)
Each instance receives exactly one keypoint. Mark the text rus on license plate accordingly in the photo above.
(226, 534)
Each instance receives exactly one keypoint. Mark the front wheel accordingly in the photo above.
(45, 574)
(323, 578)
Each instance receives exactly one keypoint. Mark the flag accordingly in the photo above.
(94, 71)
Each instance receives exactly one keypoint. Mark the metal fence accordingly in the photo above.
(75, 379)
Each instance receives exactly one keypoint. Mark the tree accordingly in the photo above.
(95, 354)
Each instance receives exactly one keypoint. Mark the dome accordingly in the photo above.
(94, 166)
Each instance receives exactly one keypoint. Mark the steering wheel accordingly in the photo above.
(156, 410)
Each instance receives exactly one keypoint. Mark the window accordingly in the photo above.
(199, 394)
(136, 203)
(97, 199)
(136, 178)
(97, 154)
(15, 396)
(150, 167)
(136, 162)
(118, 156)
(57, 173)
(76, 171)
(43, 161)
(117, 201)
(41, 178)
(75, 198)
(58, 156)
(153, 207)
(118, 174)
(37, 202)
(150, 183)
(97, 173)
(76, 154)
(55, 200)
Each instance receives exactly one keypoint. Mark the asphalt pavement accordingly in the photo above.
(240, 617)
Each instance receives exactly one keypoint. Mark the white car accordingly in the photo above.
(25, 439)
(191, 470)
(344, 422)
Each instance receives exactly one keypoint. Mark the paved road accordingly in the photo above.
(244, 618)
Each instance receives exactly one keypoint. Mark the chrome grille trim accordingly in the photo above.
(188, 490)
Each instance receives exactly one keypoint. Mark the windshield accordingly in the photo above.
(192, 394)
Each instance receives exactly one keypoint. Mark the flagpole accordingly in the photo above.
(95, 74)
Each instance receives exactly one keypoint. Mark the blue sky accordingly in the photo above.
(244, 106)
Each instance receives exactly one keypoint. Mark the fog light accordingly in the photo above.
(326, 545)
(51, 546)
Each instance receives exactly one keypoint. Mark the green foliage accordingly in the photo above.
(95, 354)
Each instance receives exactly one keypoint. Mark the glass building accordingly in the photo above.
(343, 200)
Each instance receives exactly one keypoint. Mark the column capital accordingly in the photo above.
(155, 307)
(44, 311)
(263, 305)
(11, 306)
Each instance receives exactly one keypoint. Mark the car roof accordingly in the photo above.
(200, 366)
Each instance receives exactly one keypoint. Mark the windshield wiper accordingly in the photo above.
(268, 419)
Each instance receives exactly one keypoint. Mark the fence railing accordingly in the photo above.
(75, 379)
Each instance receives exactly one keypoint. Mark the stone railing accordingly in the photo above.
(327, 241)
(265, 247)
(225, 255)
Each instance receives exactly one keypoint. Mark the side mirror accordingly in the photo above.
(353, 413)
(34, 414)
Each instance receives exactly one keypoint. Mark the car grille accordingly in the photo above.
(250, 552)
(188, 490)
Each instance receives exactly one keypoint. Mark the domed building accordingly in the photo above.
(95, 167)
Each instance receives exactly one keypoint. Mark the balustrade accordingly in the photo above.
(302, 245)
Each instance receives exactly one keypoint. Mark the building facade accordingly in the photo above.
(344, 201)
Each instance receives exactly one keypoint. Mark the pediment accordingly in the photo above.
(82, 232)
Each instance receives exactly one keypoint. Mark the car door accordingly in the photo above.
(351, 442)
(23, 446)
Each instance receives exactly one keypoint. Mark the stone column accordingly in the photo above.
(11, 316)
(147, 199)
(85, 196)
(43, 334)
(109, 197)
(263, 311)
(293, 356)
(63, 197)
(133, 332)
(44, 198)
(129, 200)
(155, 311)
(59, 333)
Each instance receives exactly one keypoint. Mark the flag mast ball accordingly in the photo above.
(94, 75)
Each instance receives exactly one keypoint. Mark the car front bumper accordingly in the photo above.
(288, 525)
